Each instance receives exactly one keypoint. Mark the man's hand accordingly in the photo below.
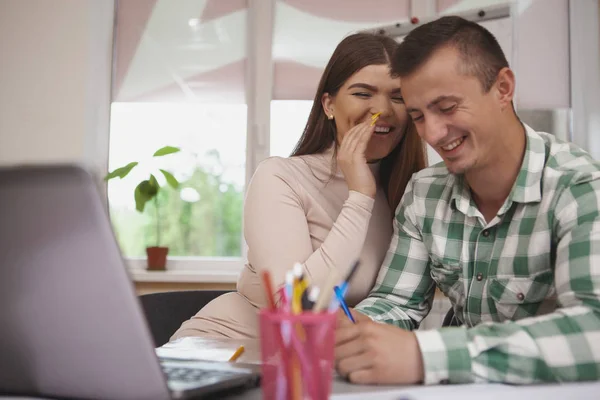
(372, 353)
(342, 318)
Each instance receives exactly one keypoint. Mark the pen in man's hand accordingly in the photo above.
(340, 298)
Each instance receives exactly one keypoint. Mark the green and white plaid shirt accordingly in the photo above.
(526, 285)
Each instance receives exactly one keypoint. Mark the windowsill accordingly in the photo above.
(204, 276)
(188, 270)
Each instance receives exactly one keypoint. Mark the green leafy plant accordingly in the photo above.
(147, 190)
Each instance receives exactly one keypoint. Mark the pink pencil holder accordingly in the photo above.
(297, 355)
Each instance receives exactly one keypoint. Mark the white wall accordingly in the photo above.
(585, 75)
(541, 56)
(55, 69)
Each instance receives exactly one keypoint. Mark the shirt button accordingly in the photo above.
(485, 233)
(520, 296)
(479, 276)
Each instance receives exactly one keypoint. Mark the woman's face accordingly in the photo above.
(369, 91)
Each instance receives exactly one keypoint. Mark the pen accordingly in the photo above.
(237, 354)
(308, 301)
(289, 290)
(296, 308)
(340, 298)
(299, 275)
(325, 294)
(280, 294)
(344, 285)
(297, 290)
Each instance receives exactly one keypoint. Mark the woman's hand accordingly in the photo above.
(353, 162)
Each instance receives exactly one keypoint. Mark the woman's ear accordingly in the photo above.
(327, 103)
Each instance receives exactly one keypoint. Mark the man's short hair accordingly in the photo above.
(479, 50)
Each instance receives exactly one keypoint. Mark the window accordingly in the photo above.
(288, 119)
(179, 80)
(203, 218)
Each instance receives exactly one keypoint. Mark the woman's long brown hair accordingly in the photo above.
(351, 55)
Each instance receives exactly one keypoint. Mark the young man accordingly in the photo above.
(508, 229)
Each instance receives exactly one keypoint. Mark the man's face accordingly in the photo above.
(451, 111)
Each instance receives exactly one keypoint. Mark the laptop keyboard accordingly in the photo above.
(191, 375)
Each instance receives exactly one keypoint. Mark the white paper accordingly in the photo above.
(197, 348)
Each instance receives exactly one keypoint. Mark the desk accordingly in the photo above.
(221, 349)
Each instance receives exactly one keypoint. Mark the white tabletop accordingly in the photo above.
(221, 349)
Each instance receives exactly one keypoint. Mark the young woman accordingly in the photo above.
(332, 201)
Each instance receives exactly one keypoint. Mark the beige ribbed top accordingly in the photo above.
(296, 212)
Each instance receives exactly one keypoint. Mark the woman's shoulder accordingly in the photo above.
(273, 165)
(292, 168)
(279, 176)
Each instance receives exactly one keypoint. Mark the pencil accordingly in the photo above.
(374, 118)
(237, 354)
(268, 286)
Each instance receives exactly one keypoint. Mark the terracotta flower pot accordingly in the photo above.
(157, 258)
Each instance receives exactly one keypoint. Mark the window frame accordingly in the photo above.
(259, 82)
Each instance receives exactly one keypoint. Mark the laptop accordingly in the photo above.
(71, 325)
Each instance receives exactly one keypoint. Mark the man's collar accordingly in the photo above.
(528, 186)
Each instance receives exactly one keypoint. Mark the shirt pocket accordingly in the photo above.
(448, 275)
(520, 297)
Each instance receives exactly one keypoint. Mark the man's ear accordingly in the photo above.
(327, 103)
(505, 87)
